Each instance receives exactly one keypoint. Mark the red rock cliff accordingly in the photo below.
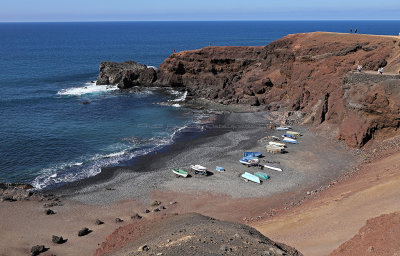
(310, 72)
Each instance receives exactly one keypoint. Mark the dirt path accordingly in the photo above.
(319, 226)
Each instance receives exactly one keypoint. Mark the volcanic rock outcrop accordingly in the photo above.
(190, 234)
(126, 74)
(312, 73)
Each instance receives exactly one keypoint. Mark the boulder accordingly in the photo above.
(57, 239)
(37, 249)
(84, 232)
(49, 212)
(99, 222)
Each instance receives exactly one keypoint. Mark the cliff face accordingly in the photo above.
(303, 72)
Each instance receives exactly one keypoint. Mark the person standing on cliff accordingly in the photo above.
(359, 68)
(351, 31)
(380, 71)
(355, 31)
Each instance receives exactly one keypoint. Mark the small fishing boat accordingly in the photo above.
(220, 169)
(289, 136)
(251, 177)
(261, 175)
(283, 128)
(289, 140)
(180, 172)
(252, 154)
(273, 168)
(198, 169)
(249, 161)
(293, 133)
(273, 143)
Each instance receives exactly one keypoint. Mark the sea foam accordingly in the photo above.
(89, 88)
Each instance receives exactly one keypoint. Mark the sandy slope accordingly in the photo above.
(321, 225)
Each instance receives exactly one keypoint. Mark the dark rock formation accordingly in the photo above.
(99, 222)
(126, 74)
(84, 232)
(15, 192)
(118, 220)
(49, 212)
(37, 249)
(58, 239)
(190, 234)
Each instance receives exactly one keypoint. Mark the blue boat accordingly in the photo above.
(220, 169)
(251, 177)
(249, 160)
(252, 154)
(289, 140)
(289, 136)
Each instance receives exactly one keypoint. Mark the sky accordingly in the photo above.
(187, 10)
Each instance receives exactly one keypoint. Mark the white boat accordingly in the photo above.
(273, 143)
(283, 128)
(273, 168)
(249, 161)
(251, 177)
(199, 169)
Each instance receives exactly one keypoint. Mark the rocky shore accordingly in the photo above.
(311, 73)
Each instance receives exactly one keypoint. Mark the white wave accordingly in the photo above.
(89, 88)
(153, 67)
(73, 171)
(179, 99)
(176, 105)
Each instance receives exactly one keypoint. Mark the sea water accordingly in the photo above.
(57, 126)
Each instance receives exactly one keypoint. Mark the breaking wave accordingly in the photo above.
(89, 88)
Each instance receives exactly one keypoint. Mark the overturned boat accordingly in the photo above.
(248, 176)
(262, 175)
(289, 140)
(252, 154)
(273, 168)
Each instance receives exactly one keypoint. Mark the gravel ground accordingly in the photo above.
(308, 165)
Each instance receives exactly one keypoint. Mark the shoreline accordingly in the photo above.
(307, 166)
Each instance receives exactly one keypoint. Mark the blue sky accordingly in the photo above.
(127, 10)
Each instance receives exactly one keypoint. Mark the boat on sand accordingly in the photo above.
(251, 177)
(289, 140)
(273, 168)
(180, 172)
(283, 128)
(261, 175)
(199, 169)
(273, 143)
(249, 161)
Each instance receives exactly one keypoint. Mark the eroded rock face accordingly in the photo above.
(372, 107)
(126, 74)
(302, 72)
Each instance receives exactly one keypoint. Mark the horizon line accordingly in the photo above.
(99, 21)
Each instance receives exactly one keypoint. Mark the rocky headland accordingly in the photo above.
(311, 73)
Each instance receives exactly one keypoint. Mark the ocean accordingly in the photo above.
(50, 137)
